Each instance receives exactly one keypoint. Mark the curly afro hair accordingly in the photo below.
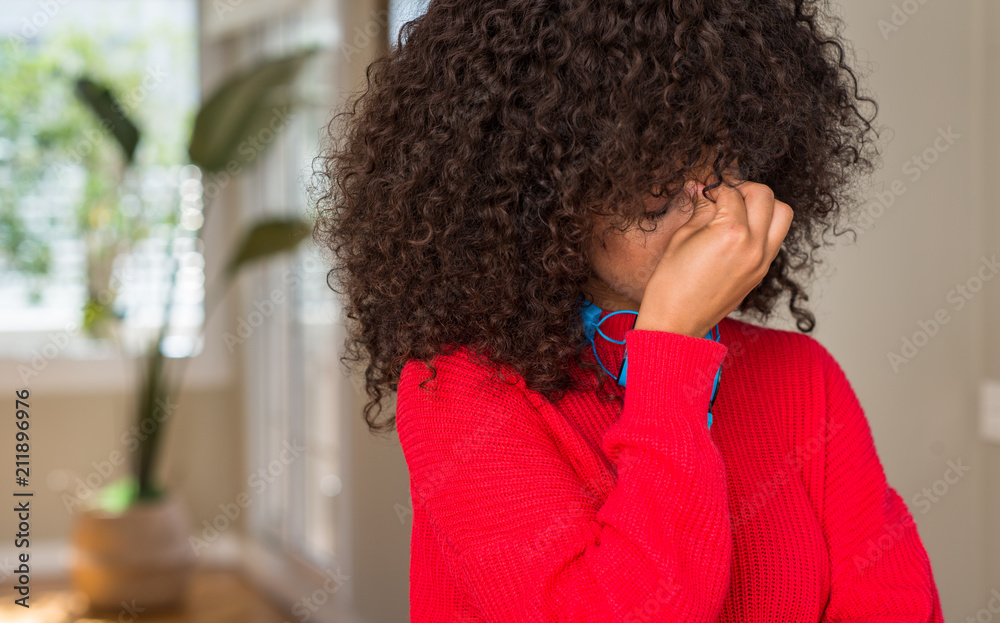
(457, 193)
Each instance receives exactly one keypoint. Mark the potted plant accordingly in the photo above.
(130, 542)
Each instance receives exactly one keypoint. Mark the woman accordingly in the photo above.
(518, 173)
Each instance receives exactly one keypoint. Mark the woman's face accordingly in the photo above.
(624, 261)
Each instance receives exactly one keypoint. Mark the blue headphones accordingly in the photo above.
(592, 326)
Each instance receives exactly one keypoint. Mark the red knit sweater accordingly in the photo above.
(585, 511)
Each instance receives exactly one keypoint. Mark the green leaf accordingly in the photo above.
(109, 112)
(95, 313)
(118, 496)
(241, 118)
(267, 238)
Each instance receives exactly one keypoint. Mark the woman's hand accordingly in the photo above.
(715, 259)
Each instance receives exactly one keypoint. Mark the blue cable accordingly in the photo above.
(592, 326)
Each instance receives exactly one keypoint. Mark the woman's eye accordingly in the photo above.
(678, 200)
(658, 214)
(653, 215)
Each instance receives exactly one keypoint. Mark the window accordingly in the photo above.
(295, 388)
(78, 230)
(402, 11)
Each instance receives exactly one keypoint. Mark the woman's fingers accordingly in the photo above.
(781, 222)
(767, 218)
(759, 200)
(730, 207)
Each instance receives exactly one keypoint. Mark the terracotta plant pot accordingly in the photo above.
(141, 556)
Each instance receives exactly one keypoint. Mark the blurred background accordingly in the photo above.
(192, 449)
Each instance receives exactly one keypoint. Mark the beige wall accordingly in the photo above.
(72, 432)
(988, 161)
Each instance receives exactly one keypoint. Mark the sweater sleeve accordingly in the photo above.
(879, 568)
(527, 540)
